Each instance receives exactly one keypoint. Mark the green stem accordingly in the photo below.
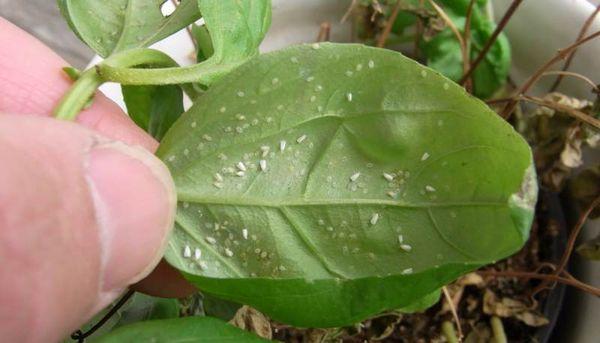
(78, 96)
(449, 332)
(498, 330)
(204, 73)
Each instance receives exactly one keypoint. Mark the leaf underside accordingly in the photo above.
(111, 26)
(308, 240)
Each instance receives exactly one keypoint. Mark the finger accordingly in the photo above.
(81, 218)
(32, 82)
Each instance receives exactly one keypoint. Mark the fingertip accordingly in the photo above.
(135, 201)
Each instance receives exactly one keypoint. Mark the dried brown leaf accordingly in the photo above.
(249, 319)
(510, 308)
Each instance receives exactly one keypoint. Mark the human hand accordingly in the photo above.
(85, 209)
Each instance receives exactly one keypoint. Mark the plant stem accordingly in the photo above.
(498, 330)
(388, 25)
(486, 48)
(510, 106)
(78, 96)
(448, 331)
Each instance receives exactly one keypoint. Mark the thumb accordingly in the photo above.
(81, 218)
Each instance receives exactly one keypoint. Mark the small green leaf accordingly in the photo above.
(187, 329)
(153, 108)
(322, 184)
(236, 29)
(110, 26)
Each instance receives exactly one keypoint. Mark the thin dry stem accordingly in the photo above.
(349, 11)
(563, 108)
(486, 48)
(582, 33)
(533, 79)
(467, 39)
(454, 313)
(563, 73)
(388, 25)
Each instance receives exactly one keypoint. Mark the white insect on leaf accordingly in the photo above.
(354, 176)
(197, 253)
(187, 252)
(245, 233)
(374, 218)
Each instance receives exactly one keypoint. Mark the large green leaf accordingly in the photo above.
(110, 26)
(305, 238)
(188, 329)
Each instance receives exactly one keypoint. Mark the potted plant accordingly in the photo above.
(330, 184)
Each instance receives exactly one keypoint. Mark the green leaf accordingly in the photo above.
(111, 26)
(188, 329)
(153, 108)
(444, 54)
(236, 29)
(320, 249)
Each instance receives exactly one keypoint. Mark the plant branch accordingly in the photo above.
(594, 122)
(419, 32)
(486, 48)
(582, 33)
(533, 79)
(449, 332)
(324, 32)
(388, 25)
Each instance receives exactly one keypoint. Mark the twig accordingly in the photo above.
(533, 78)
(388, 25)
(80, 336)
(563, 73)
(499, 101)
(486, 48)
(466, 38)
(563, 108)
(582, 32)
(454, 313)
(324, 32)
(547, 277)
(450, 24)
(573, 235)
(498, 330)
